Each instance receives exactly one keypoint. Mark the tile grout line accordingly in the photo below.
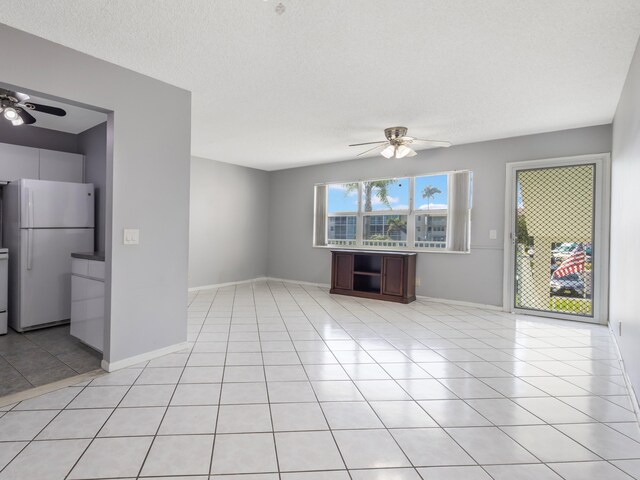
(445, 429)
(266, 387)
(224, 367)
(335, 442)
(346, 325)
(365, 398)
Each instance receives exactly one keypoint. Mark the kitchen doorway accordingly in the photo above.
(556, 240)
(53, 176)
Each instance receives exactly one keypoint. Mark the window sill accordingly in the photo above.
(390, 249)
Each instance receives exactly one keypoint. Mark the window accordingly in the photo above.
(342, 213)
(385, 205)
(430, 212)
(431, 204)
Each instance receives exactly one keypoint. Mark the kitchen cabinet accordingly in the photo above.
(18, 162)
(61, 166)
(87, 302)
(373, 274)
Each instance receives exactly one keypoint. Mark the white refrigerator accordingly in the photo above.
(43, 223)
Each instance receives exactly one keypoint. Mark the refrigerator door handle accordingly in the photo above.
(29, 248)
(30, 208)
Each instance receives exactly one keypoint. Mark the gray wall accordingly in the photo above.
(228, 223)
(474, 277)
(625, 223)
(31, 136)
(93, 144)
(147, 184)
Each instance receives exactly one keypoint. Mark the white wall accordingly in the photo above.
(625, 223)
(148, 158)
(474, 277)
(228, 223)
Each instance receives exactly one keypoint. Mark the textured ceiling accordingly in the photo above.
(275, 91)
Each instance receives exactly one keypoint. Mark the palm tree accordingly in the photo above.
(396, 225)
(429, 192)
(381, 188)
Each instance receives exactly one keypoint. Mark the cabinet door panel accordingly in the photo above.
(392, 276)
(343, 271)
(61, 166)
(17, 162)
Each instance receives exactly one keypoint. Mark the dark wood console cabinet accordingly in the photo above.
(371, 274)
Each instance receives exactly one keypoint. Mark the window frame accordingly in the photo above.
(410, 213)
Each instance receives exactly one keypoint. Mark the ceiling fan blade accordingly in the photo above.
(433, 143)
(371, 150)
(58, 112)
(26, 117)
(367, 143)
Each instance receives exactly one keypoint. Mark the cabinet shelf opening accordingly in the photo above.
(367, 263)
(367, 283)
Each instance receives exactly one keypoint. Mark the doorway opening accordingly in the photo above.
(556, 246)
(52, 228)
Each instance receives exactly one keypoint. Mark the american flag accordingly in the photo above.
(573, 264)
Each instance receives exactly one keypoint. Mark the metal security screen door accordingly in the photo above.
(555, 263)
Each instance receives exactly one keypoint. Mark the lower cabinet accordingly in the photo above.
(343, 271)
(393, 275)
(372, 274)
(87, 302)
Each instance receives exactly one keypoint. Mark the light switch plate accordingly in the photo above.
(493, 234)
(131, 236)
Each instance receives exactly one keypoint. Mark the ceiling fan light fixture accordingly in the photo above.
(402, 151)
(11, 114)
(388, 152)
(397, 144)
(17, 122)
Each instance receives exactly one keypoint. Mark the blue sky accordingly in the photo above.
(341, 200)
(438, 201)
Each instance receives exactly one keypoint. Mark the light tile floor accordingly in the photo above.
(284, 381)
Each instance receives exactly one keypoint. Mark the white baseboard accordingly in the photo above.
(143, 357)
(257, 279)
(326, 285)
(310, 284)
(460, 303)
(227, 284)
(627, 380)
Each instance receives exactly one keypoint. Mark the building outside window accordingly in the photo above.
(341, 227)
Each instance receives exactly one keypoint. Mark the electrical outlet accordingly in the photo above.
(493, 234)
(418, 281)
(131, 236)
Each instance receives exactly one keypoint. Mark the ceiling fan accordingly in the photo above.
(15, 107)
(397, 144)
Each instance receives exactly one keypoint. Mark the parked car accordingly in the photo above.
(563, 251)
(571, 285)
